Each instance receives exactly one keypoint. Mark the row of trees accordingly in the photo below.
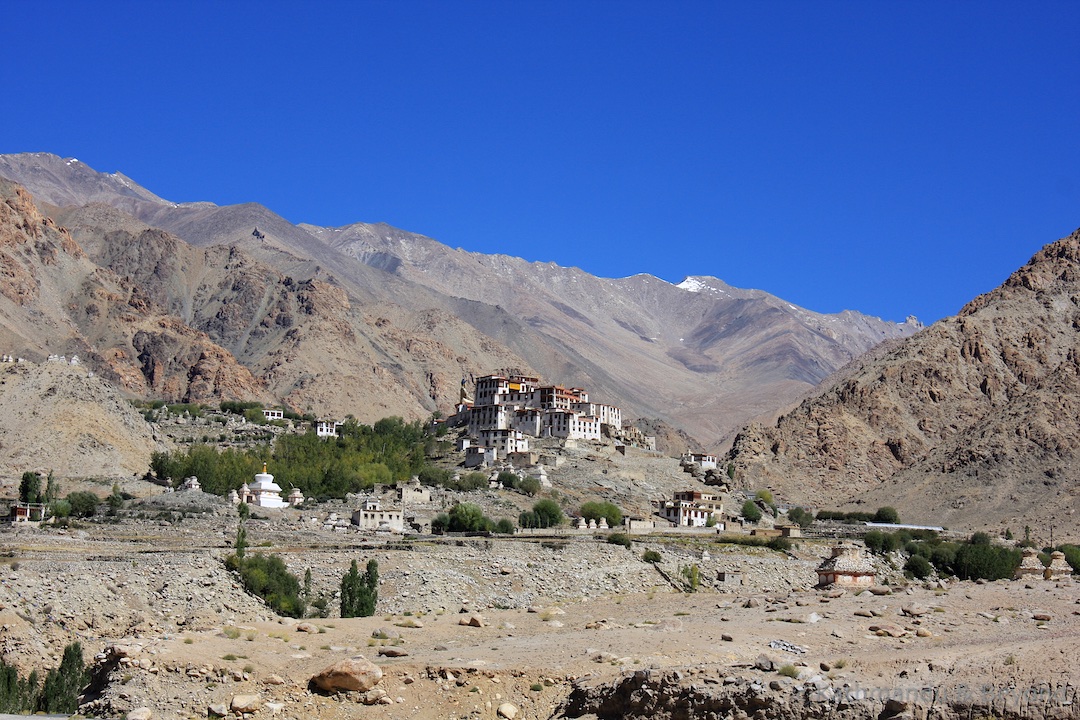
(59, 693)
(389, 451)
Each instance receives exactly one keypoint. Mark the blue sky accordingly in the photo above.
(892, 158)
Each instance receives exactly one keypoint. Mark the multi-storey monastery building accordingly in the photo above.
(509, 409)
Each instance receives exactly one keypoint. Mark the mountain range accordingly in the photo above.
(973, 421)
(194, 301)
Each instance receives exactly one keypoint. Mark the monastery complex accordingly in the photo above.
(507, 411)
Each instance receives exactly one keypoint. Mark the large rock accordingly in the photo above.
(355, 673)
(245, 703)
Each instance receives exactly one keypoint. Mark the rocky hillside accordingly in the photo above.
(414, 316)
(59, 418)
(972, 421)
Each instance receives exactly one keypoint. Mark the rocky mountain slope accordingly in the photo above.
(401, 317)
(972, 421)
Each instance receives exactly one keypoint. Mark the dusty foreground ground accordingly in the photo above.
(556, 614)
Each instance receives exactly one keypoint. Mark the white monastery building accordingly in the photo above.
(509, 410)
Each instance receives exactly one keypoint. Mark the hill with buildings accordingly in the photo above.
(973, 421)
(369, 320)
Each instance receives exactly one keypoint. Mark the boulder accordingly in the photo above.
(307, 627)
(473, 620)
(139, 713)
(393, 651)
(245, 703)
(355, 673)
(508, 711)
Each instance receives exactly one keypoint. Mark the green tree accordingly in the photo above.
(548, 513)
(530, 486)
(60, 692)
(918, 566)
(240, 546)
(801, 517)
(52, 488)
(887, 515)
(115, 499)
(83, 503)
(751, 511)
(764, 496)
(360, 593)
(466, 517)
(504, 526)
(30, 488)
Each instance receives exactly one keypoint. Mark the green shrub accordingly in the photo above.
(466, 517)
(987, 562)
(548, 513)
(594, 510)
(619, 539)
(530, 486)
(651, 556)
(751, 511)
(267, 577)
(918, 566)
(83, 503)
(360, 593)
(801, 517)
(789, 671)
(780, 544)
(887, 515)
(504, 526)
(692, 575)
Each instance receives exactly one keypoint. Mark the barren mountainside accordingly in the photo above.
(973, 420)
(370, 320)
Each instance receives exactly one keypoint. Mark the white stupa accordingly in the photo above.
(263, 491)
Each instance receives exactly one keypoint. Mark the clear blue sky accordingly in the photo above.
(887, 157)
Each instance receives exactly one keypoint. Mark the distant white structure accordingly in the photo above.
(263, 491)
(274, 414)
(693, 508)
(190, 483)
(703, 460)
(296, 497)
(327, 428)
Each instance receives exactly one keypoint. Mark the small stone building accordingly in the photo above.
(372, 516)
(847, 567)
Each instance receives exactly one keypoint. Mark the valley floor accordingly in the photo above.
(558, 614)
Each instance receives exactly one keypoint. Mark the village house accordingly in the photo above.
(273, 414)
(848, 567)
(693, 508)
(327, 428)
(28, 512)
(372, 516)
(703, 460)
(414, 492)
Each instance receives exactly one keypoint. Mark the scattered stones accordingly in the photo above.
(473, 620)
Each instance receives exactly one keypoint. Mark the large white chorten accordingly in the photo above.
(263, 491)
